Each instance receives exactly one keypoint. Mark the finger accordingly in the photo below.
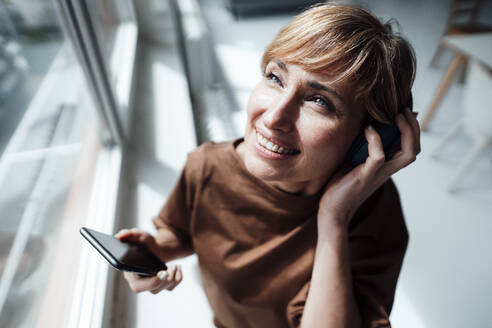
(163, 275)
(411, 118)
(157, 291)
(144, 284)
(121, 233)
(172, 272)
(137, 232)
(138, 236)
(170, 277)
(147, 239)
(129, 235)
(375, 150)
(177, 279)
(130, 276)
(408, 149)
(166, 280)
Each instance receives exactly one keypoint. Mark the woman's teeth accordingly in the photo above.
(273, 147)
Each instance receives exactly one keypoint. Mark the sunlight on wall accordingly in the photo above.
(173, 116)
(243, 66)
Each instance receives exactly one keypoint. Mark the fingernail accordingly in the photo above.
(163, 275)
(403, 117)
(370, 127)
(415, 113)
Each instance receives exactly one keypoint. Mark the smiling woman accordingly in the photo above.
(299, 110)
(286, 234)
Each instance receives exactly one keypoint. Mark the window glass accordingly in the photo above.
(48, 144)
(115, 30)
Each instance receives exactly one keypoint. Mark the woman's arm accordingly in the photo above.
(171, 246)
(331, 301)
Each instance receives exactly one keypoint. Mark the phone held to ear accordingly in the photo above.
(124, 256)
(390, 137)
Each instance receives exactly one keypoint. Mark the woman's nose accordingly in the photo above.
(280, 115)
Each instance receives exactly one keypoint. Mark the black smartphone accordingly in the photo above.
(390, 137)
(124, 256)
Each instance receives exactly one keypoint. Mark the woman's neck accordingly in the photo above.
(302, 188)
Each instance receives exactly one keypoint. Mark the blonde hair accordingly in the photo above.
(356, 49)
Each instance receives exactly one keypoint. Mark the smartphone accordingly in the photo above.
(390, 137)
(123, 256)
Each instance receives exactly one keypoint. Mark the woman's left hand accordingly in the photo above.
(346, 191)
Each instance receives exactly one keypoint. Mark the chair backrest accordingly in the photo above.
(463, 12)
(477, 101)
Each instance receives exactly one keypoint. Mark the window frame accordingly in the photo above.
(91, 291)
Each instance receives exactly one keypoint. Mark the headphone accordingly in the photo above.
(390, 137)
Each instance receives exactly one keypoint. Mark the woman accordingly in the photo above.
(286, 234)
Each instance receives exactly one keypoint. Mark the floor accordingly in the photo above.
(445, 280)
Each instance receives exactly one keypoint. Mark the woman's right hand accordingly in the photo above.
(165, 279)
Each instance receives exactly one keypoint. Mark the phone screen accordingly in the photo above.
(123, 256)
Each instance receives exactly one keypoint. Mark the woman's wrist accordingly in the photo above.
(331, 225)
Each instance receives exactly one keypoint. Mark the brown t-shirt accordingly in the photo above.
(256, 244)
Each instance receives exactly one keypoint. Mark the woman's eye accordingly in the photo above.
(274, 78)
(325, 104)
(320, 101)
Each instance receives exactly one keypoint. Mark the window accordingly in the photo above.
(53, 116)
(115, 31)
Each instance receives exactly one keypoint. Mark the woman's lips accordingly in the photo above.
(269, 147)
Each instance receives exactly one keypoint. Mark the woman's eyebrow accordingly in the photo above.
(319, 86)
(313, 84)
(280, 64)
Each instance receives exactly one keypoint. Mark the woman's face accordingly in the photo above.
(299, 128)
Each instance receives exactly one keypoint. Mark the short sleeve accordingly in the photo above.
(378, 240)
(177, 212)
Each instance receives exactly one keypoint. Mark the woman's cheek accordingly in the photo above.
(253, 104)
(325, 142)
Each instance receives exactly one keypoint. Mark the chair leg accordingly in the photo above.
(441, 90)
(478, 147)
(435, 59)
(464, 69)
(446, 138)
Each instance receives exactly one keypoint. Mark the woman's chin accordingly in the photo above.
(262, 170)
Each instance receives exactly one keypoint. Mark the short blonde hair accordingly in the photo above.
(356, 49)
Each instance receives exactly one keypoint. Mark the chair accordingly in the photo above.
(462, 20)
(477, 118)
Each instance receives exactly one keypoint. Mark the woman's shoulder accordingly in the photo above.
(213, 146)
(208, 156)
(211, 151)
(386, 197)
(381, 213)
